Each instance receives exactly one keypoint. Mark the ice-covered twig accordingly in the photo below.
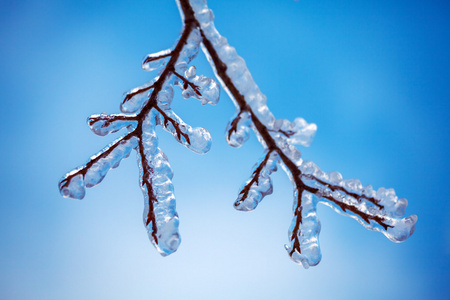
(143, 108)
(381, 211)
(147, 106)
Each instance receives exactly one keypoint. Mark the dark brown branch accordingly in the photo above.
(298, 221)
(340, 188)
(152, 103)
(146, 171)
(220, 68)
(175, 124)
(348, 207)
(110, 118)
(157, 86)
(285, 133)
(188, 83)
(150, 58)
(233, 125)
(89, 164)
(255, 178)
(139, 91)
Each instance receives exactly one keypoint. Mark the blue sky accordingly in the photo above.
(373, 75)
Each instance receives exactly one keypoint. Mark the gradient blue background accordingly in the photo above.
(373, 75)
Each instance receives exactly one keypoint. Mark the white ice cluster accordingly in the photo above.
(203, 88)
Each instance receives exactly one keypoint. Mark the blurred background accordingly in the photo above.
(373, 75)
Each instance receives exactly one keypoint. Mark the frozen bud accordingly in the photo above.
(190, 73)
(308, 167)
(297, 132)
(392, 204)
(168, 237)
(72, 187)
(165, 96)
(205, 89)
(205, 15)
(402, 229)
(181, 67)
(335, 178)
(369, 191)
(227, 53)
(210, 92)
(353, 185)
(200, 140)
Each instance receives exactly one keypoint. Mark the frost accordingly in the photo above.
(149, 105)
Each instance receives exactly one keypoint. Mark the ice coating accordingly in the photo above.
(298, 132)
(205, 89)
(137, 97)
(160, 216)
(73, 188)
(238, 129)
(196, 139)
(92, 173)
(304, 232)
(259, 185)
(378, 210)
(191, 49)
(105, 124)
(384, 201)
(165, 96)
(156, 61)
